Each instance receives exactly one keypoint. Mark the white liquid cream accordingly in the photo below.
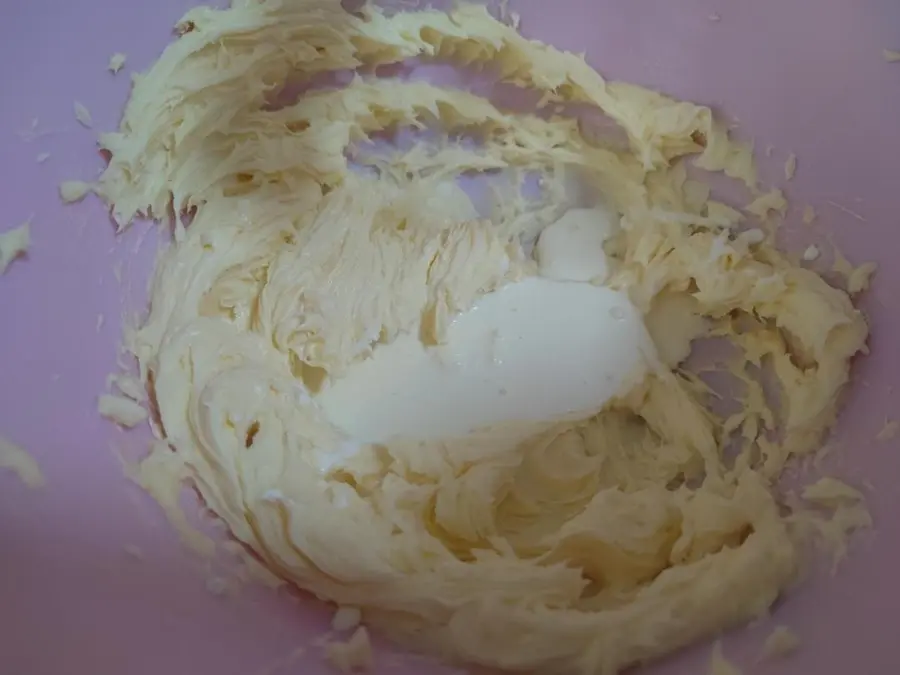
(535, 350)
(571, 249)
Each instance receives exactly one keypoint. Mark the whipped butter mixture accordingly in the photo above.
(471, 424)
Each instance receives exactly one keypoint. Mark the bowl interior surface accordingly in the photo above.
(802, 76)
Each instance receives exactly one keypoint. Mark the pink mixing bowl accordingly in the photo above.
(804, 76)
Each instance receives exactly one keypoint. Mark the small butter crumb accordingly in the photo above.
(14, 243)
(19, 461)
(780, 643)
(753, 236)
(719, 665)
(116, 62)
(43, 157)
(769, 150)
(123, 411)
(715, 18)
(890, 55)
(129, 385)
(134, 551)
(848, 515)
(770, 201)
(100, 319)
(809, 215)
(811, 253)
(790, 166)
(859, 278)
(83, 115)
(831, 492)
(840, 265)
(888, 431)
(71, 191)
(346, 618)
(353, 655)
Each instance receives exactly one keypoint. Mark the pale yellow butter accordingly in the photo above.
(528, 545)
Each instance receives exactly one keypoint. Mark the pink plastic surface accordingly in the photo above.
(805, 76)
